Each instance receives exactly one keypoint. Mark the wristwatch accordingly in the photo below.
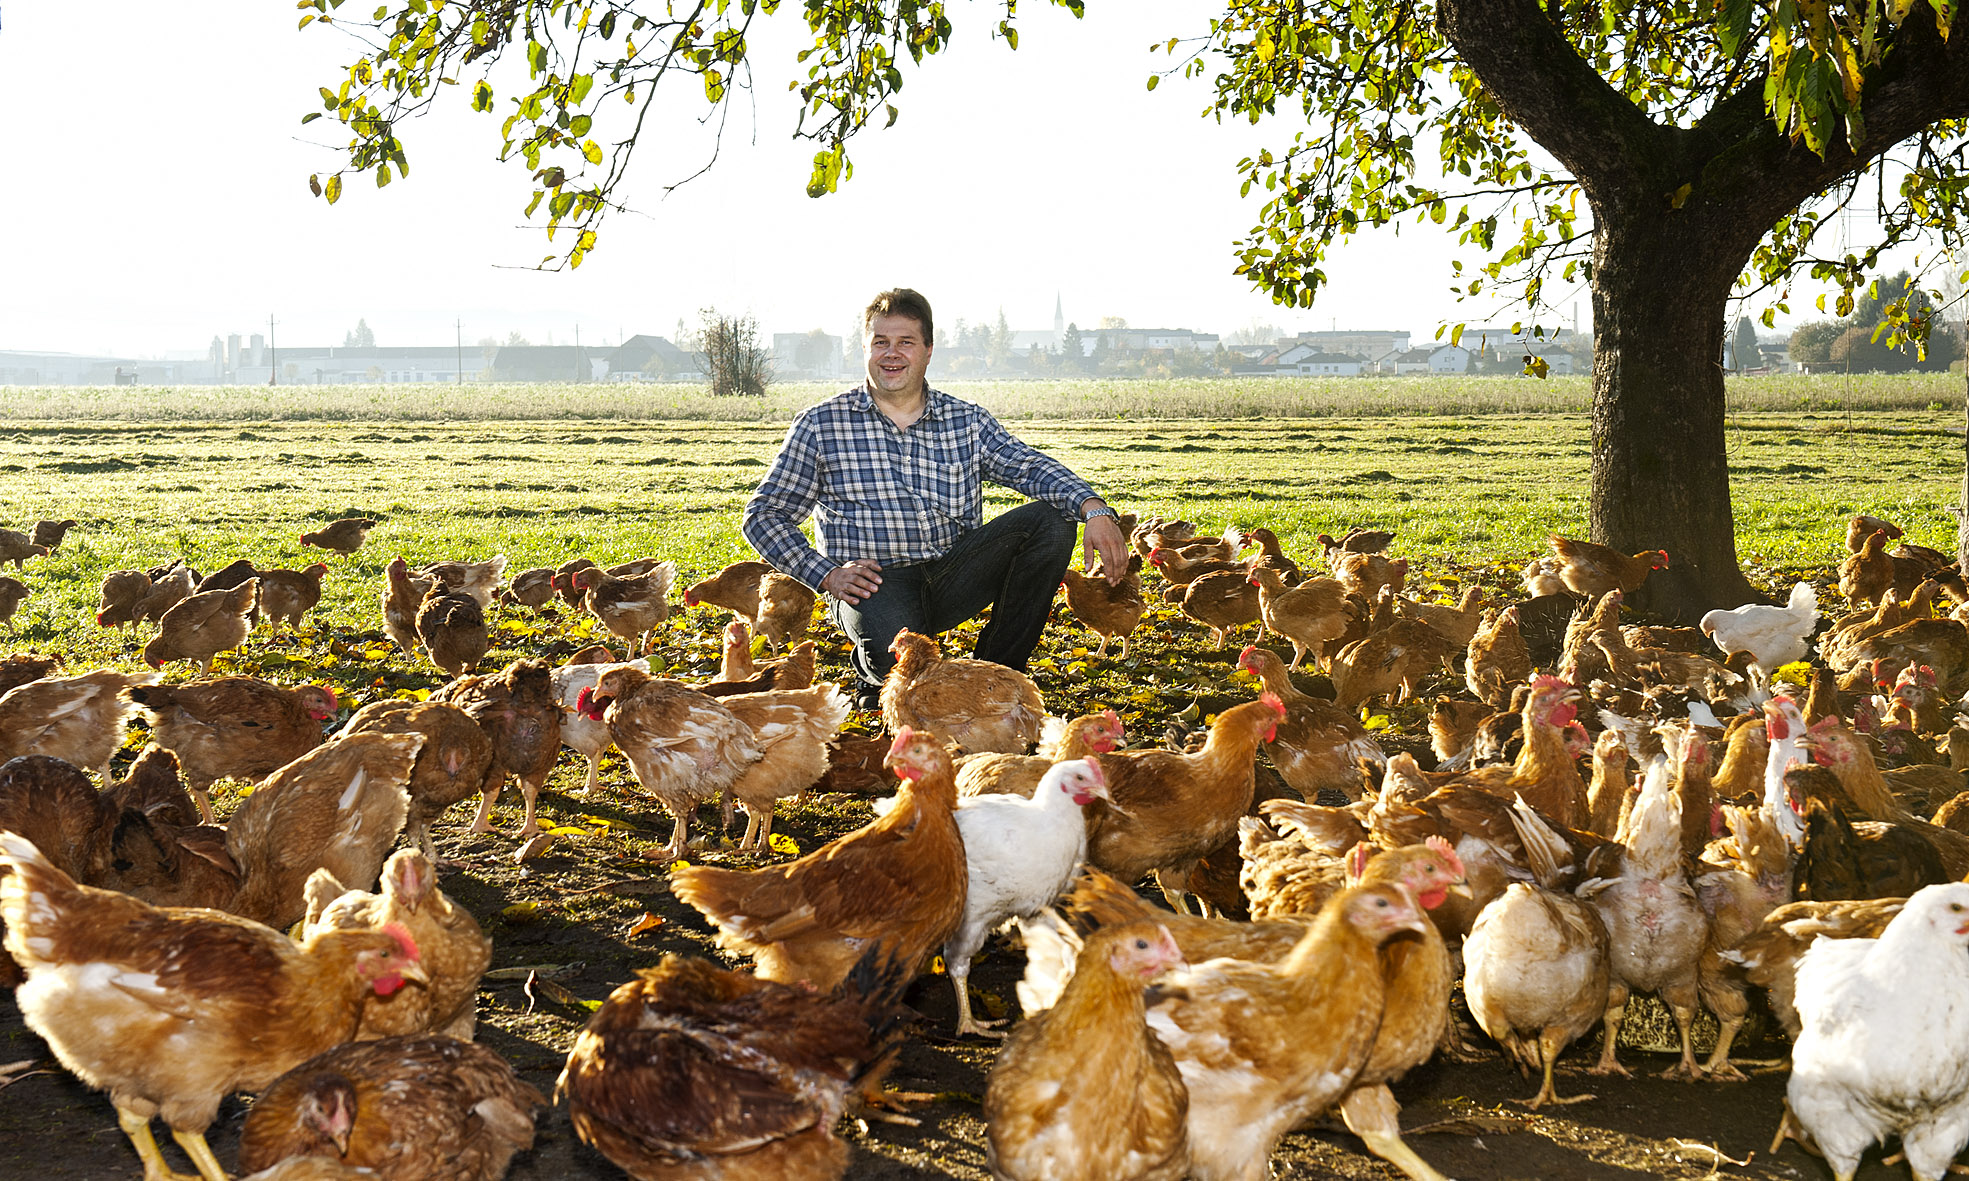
(1103, 511)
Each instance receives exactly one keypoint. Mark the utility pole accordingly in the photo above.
(460, 326)
(273, 374)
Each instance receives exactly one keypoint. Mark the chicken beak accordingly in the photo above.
(1462, 889)
(412, 971)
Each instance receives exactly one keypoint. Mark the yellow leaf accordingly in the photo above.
(648, 922)
(598, 821)
(568, 831)
(781, 843)
(1680, 196)
(376, 653)
(678, 864)
(520, 911)
(937, 966)
(1377, 722)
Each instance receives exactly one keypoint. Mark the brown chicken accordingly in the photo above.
(519, 712)
(1867, 576)
(15, 547)
(431, 1108)
(204, 625)
(791, 728)
(1544, 773)
(477, 579)
(1770, 954)
(122, 594)
(976, 704)
(1109, 610)
(339, 807)
(695, 1071)
(529, 588)
(1317, 745)
(455, 950)
(735, 588)
(1458, 625)
(234, 728)
(179, 1008)
(50, 533)
(1224, 548)
(78, 719)
(18, 668)
(343, 537)
(1835, 746)
(13, 592)
(997, 774)
(1741, 880)
(683, 747)
(1590, 569)
(1272, 557)
(899, 880)
(286, 595)
(147, 602)
(1181, 572)
(785, 610)
(1264, 1046)
(1366, 574)
(627, 607)
(1390, 662)
(403, 594)
(1536, 963)
(1311, 615)
(739, 673)
(452, 626)
(1045, 1123)
(1224, 601)
(1166, 810)
(452, 765)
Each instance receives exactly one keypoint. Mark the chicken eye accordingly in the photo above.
(1143, 944)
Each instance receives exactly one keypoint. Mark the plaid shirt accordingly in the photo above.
(896, 496)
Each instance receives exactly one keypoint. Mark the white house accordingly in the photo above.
(1449, 358)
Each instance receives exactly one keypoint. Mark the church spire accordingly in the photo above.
(1059, 319)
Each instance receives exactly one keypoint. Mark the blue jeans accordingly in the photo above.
(1012, 564)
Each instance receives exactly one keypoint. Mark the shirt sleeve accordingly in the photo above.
(785, 498)
(1019, 466)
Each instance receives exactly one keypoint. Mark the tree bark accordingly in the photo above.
(1661, 478)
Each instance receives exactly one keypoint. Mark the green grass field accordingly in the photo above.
(1471, 496)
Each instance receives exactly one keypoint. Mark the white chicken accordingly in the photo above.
(1884, 1021)
(477, 579)
(1020, 854)
(1536, 962)
(580, 733)
(1773, 636)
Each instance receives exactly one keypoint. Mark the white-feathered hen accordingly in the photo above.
(579, 732)
(1884, 1022)
(1020, 855)
(1773, 636)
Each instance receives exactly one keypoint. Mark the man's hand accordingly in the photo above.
(857, 580)
(1103, 535)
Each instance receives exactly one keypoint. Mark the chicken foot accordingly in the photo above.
(1373, 1115)
(966, 1023)
(137, 1128)
(1549, 1045)
(487, 796)
(201, 1154)
(1682, 1005)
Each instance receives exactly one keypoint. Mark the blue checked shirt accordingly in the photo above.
(891, 495)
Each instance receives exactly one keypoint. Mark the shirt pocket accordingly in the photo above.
(951, 490)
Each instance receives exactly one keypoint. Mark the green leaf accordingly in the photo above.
(310, 117)
(1154, 81)
(333, 191)
(482, 96)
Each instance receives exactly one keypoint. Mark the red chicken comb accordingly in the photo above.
(1113, 720)
(1357, 859)
(333, 700)
(584, 699)
(1270, 698)
(1244, 658)
(1547, 681)
(401, 934)
(904, 737)
(1441, 848)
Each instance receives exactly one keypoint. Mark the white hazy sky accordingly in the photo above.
(159, 197)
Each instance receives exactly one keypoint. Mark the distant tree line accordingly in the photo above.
(1858, 344)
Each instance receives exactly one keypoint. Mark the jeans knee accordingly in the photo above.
(1050, 528)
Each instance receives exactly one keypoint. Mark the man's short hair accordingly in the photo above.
(901, 301)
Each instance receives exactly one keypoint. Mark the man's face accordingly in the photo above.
(897, 355)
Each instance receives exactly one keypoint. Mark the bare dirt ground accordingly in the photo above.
(567, 914)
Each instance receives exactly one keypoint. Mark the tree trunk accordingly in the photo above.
(1660, 477)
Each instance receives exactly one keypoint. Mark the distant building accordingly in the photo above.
(808, 356)
(650, 357)
(1360, 343)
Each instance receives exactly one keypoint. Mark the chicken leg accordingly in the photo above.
(960, 979)
(137, 1128)
(201, 1154)
(1609, 1048)
(1550, 1042)
(1373, 1115)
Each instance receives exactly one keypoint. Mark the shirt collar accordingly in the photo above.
(934, 401)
